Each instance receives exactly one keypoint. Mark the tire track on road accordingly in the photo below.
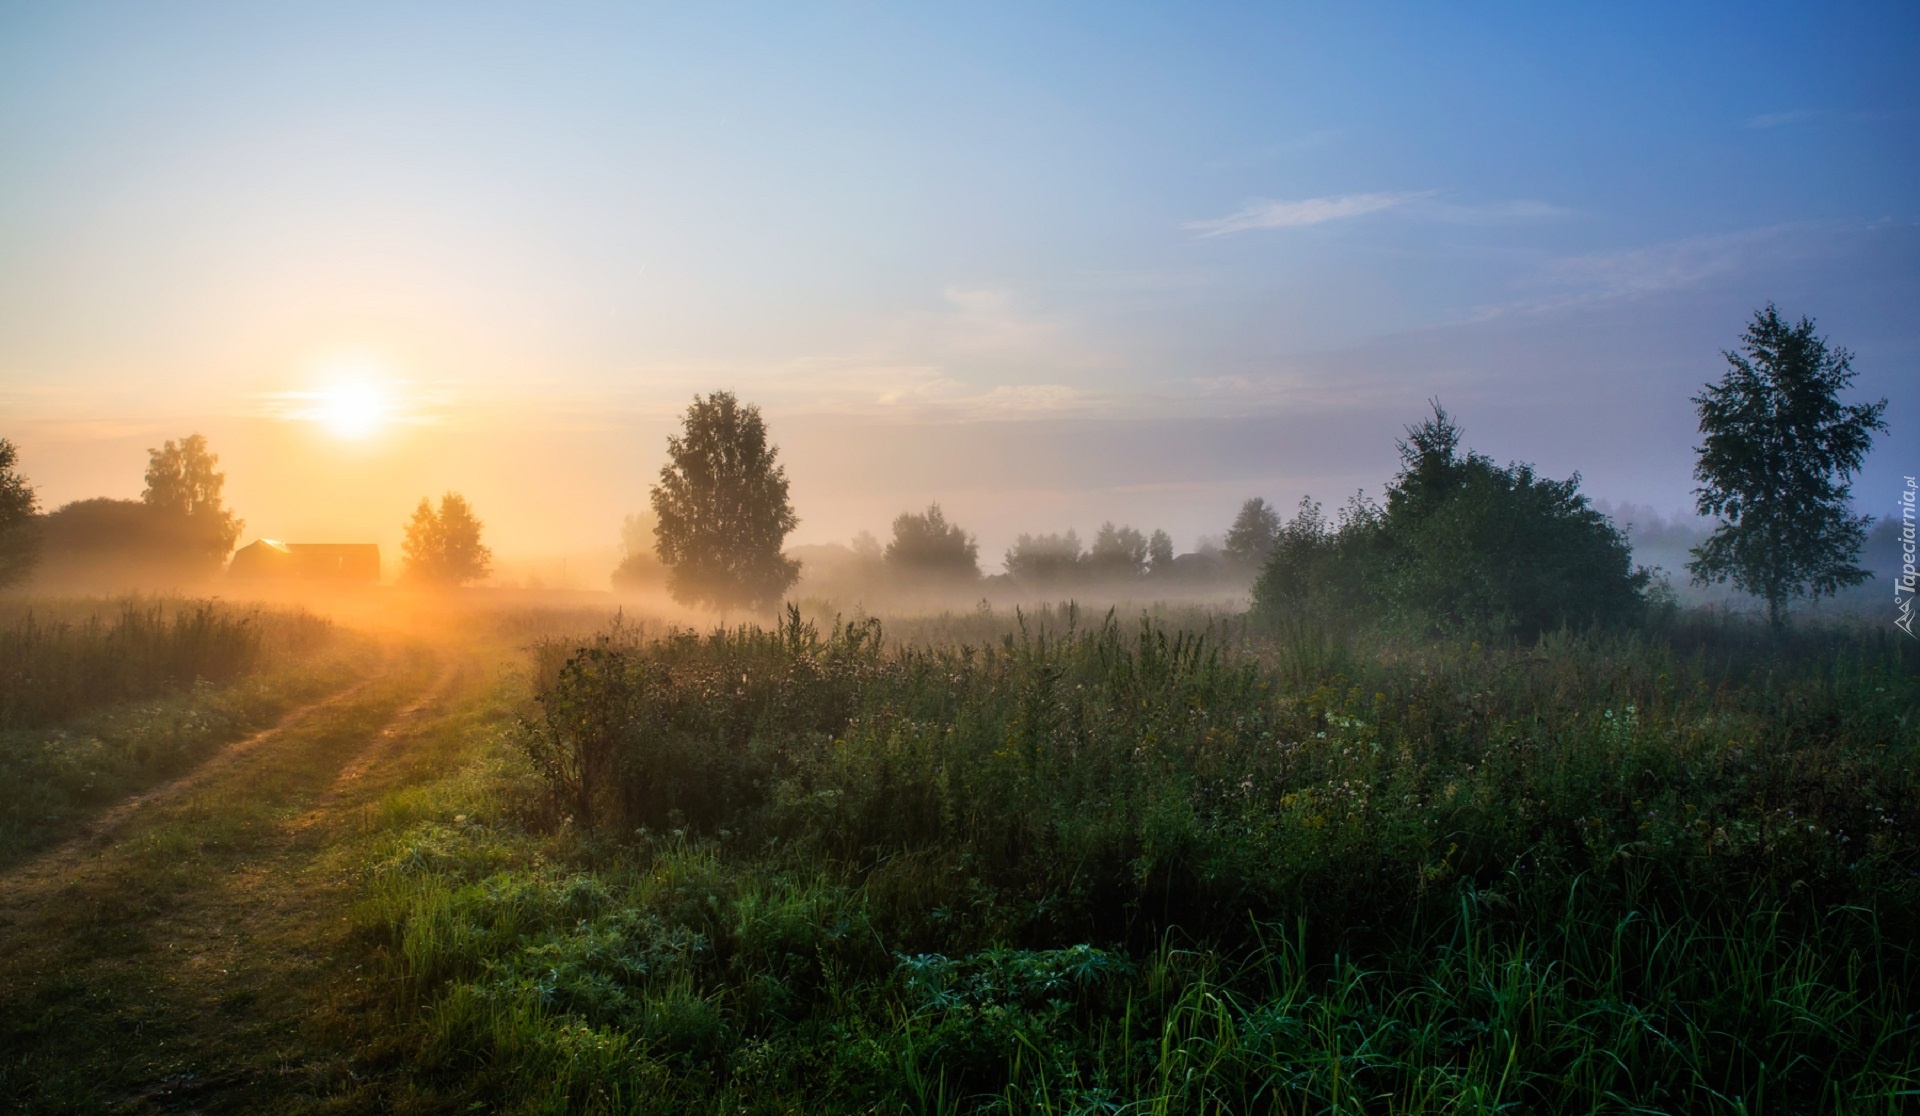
(103, 827)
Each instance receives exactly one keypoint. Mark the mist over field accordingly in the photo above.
(1018, 559)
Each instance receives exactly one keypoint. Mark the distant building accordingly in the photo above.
(337, 563)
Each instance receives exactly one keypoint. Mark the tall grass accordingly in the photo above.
(1132, 868)
(52, 670)
(94, 708)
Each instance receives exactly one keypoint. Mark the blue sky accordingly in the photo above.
(1050, 266)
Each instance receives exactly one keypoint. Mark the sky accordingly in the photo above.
(1048, 265)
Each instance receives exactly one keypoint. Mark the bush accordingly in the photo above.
(1463, 546)
(1108, 869)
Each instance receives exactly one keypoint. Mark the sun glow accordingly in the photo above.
(351, 408)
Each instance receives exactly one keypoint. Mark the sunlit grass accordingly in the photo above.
(53, 777)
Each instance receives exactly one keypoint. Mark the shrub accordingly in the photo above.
(1463, 546)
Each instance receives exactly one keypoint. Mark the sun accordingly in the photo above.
(351, 408)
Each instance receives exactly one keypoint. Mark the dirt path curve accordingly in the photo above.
(381, 746)
(60, 859)
(206, 914)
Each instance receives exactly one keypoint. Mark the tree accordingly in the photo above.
(927, 546)
(1463, 545)
(723, 509)
(1253, 532)
(19, 534)
(1160, 553)
(1045, 561)
(183, 485)
(443, 547)
(1777, 466)
(1117, 553)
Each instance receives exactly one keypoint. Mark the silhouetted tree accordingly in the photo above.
(1160, 553)
(926, 546)
(183, 484)
(19, 533)
(1253, 532)
(723, 509)
(1045, 561)
(1777, 467)
(1117, 552)
(443, 547)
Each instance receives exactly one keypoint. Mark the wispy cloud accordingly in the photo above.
(1675, 265)
(1423, 205)
(978, 351)
(1659, 268)
(1276, 214)
(1780, 119)
(401, 402)
(1519, 209)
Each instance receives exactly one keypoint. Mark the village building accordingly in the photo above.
(337, 563)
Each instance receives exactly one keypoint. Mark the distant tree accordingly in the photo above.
(1474, 547)
(1462, 545)
(183, 484)
(723, 509)
(19, 533)
(1117, 552)
(443, 547)
(639, 568)
(1045, 561)
(1160, 553)
(926, 546)
(1777, 467)
(1253, 532)
(867, 548)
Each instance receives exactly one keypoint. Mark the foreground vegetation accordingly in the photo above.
(90, 654)
(1157, 870)
(100, 699)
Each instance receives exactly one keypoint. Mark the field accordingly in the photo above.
(1040, 862)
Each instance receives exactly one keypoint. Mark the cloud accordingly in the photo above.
(985, 320)
(1273, 214)
(1780, 119)
(1421, 204)
(1675, 265)
(1658, 268)
(1519, 209)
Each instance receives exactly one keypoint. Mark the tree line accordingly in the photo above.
(180, 528)
(1461, 543)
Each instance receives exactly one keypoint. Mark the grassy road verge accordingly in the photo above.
(200, 959)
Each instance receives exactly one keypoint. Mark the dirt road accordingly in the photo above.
(189, 952)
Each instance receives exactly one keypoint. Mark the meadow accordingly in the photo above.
(100, 698)
(1071, 863)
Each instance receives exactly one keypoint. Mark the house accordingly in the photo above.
(338, 563)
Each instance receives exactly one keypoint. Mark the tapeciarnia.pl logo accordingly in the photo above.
(1903, 585)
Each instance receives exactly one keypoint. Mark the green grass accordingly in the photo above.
(126, 737)
(201, 961)
(71, 657)
(1104, 868)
